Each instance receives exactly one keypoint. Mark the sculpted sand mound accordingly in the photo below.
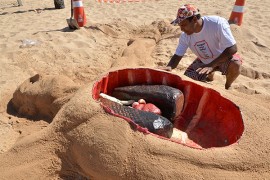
(42, 96)
(102, 146)
(91, 143)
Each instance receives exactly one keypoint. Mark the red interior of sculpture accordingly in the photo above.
(215, 120)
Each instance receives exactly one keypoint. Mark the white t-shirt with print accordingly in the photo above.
(210, 42)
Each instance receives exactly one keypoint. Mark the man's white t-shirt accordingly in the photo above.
(210, 42)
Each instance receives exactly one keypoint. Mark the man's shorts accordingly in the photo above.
(197, 63)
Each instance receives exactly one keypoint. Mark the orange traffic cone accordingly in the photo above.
(237, 12)
(79, 14)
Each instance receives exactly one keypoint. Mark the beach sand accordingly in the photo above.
(81, 141)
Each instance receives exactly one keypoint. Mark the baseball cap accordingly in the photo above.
(185, 12)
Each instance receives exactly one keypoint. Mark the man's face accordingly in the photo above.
(188, 26)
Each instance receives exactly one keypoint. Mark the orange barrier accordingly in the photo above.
(215, 120)
(237, 13)
(118, 1)
(79, 13)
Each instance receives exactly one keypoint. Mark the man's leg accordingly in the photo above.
(233, 72)
(191, 71)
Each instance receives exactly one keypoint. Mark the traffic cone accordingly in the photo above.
(79, 14)
(237, 12)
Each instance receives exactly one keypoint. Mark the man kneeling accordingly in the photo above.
(211, 40)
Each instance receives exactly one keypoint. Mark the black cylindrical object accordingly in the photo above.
(59, 4)
(168, 99)
(154, 123)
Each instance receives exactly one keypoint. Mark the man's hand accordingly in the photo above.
(205, 70)
(167, 68)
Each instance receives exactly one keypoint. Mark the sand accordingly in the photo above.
(77, 139)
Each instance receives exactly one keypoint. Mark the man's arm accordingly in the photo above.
(224, 56)
(173, 63)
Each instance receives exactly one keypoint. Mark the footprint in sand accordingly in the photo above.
(253, 74)
(245, 89)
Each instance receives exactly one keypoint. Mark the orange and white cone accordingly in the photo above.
(237, 12)
(79, 13)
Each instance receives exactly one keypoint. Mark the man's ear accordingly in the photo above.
(194, 19)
